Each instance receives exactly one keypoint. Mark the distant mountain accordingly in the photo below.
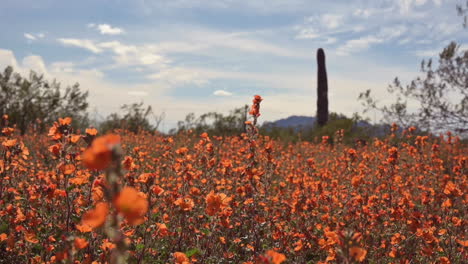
(307, 122)
(293, 121)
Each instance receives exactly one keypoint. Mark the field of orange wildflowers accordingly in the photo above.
(71, 197)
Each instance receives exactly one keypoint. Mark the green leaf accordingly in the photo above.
(3, 227)
(192, 252)
(205, 231)
(139, 247)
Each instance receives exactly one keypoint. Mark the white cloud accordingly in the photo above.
(7, 58)
(318, 26)
(331, 40)
(65, 66)
(125, 55)
(35, 63)
(222, 93)
(427, 53)
(137, 93)
(29, 36)
(307, 33)
(238, 41)
(364, 42)
(365, 13)
(407, 5)
(331, 21)
(356, 45)
(180, 76)
(392, 32)
(81, 43)
(144, 55)
(107, 29)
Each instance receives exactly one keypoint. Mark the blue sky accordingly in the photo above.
(184, 56)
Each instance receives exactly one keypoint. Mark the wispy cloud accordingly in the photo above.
(356, 45)
(362, 43)
(180, 76)
(428, 53)
(29, 36)
(34, 36)
(81, 43)
(222, 93)
(107, 29)
(331, 21)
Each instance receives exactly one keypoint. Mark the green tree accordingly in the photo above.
(135, 118)
(34, 102)
(215, 123)
(441, 95)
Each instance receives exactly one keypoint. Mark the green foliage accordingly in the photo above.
(36, 103)
(215, 123)
(441, 95)
(337, 122)
(135, 118)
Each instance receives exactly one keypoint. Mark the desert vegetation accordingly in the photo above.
(81, 197)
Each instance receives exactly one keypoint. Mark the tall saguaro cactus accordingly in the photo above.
(322, 89)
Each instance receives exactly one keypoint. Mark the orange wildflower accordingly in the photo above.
(68, 169)
(80, 243)
(107, 245)
(444, 260)
(463, 243)
(31, 237)
(158, 190)
(83, 228)
(181, 258)
(99, 155)
(55, 149)
(65, 121)
(255, 109)
(132, 204)
(357, 253)
(215, 202)
(91, 131)
(185, 204)
(275, 257)
(96, 217)
(9, 143)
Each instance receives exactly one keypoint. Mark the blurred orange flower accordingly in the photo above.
(80, 243)
(96, 217)
(91, 131)
(132, 204)
(99, 155)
